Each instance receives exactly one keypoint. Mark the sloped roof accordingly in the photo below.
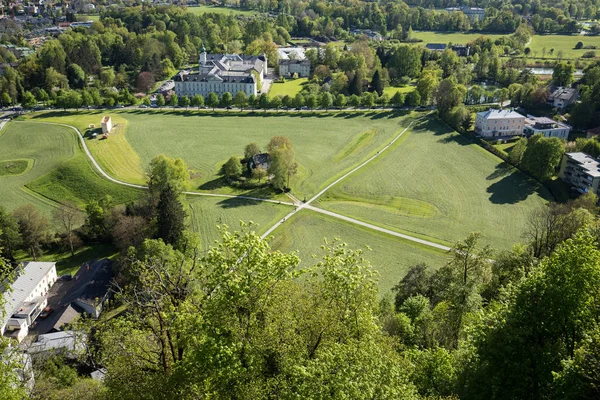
(30, 275)
(499, 114)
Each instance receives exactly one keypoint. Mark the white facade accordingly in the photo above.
(106, 124)
(497, 123)
(581, 171)
(27, 297)
(546, 126)
(221, 73)
(291, 67)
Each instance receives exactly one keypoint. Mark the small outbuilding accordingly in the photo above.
(106, 124)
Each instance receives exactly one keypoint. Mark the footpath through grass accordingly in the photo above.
(390, 256)
(436, 184)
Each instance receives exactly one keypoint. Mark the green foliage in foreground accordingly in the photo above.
(239, 322)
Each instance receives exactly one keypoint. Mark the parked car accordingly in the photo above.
(143, 106)
(46, 311)
(66, 277)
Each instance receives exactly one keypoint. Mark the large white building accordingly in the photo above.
(27, 298)
(581, 171)
(546, 126)
(498, 123)
(220, 73)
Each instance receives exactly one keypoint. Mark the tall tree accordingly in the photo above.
(170, 219)
(165, 172)
(10, 238)
(33, 228)
(377, 83)
(68, 218)
(240, 100)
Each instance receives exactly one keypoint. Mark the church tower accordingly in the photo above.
(202, 58)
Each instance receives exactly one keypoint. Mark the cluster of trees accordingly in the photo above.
(279, 167)
(160, 213)
(241, 320)
(538, 155)
(586, 114)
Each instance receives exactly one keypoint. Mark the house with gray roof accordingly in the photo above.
(499, 123)
(25, 297)
(562, 97)
(581, 172)
(221, 73)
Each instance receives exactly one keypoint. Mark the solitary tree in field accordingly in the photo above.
(232, 169)
(240, 100)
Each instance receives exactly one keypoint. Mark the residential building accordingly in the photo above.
(373, 35)
(69, 343)
(546, 126)
(581, 171)
(436, 46)
(498, 123)
(291, 53)
(593, 132)
(461, 51)
(563, 97)
(475, 13)
(291, 67)
(221, 73)
(106, 124)
(26, 299)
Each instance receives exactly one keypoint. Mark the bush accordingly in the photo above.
(579, 45)
(589, 54)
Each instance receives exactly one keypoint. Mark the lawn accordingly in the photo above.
(114, 154)
(206, 141)
(326, 144)
(390, 256)
(220, 10)
(450, 37)
(206, 213)
(75, 181)
(15, 167)
(566, 43)
(290, 87)
(391, 90)
(46, 147)
(57, 170)
(92, 17)
(68, 264)
(435, 184)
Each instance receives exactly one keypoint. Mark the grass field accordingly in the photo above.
(15, 167)
(345, 138)
(59, 170)
(46, 147)
(206, 213)
(566, 43)
(290, 87)
(390, 256)
(114, 155)
(433, 183)
(391, 90)
(450, 37)
(93, 17)
(220, 10)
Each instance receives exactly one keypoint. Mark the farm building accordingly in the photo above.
(106, 124)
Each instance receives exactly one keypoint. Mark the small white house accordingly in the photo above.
(106, 124)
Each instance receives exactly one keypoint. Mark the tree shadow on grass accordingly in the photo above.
(236, 202)
(511, 189)
(217, 183)
(501, 170)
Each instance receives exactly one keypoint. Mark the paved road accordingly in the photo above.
(110, 178)
(300, 205)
